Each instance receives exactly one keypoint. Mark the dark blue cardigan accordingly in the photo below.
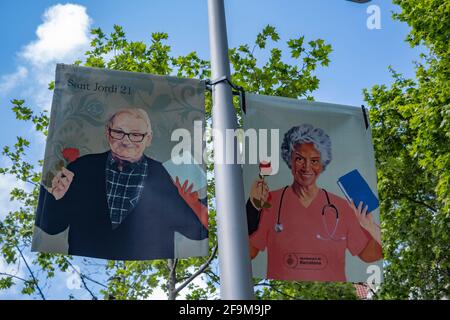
(146, 233)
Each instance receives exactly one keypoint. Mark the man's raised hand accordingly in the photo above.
(191, 198)
(61, 183)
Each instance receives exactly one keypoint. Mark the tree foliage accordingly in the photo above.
(137, 280)
(411, 129)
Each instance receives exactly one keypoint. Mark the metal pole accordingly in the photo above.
(234, 257)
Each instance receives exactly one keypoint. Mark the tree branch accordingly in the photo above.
(198, 272)
(274, 287)
(407, 197)
(172, 291)
(82, 277)
(32, 182)
(213, 276)
(35, 282)
(12, 276)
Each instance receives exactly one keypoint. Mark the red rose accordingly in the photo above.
(265, 168)
(71, 154)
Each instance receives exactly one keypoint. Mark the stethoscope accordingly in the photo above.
(330, 236)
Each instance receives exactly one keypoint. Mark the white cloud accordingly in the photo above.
(63, 35)
(11, 292)
(198, 281)
(38, 94)
(9, 81)
(7, 183)
(15, 269)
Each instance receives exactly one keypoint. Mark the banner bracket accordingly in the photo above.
(236, 90)
(366, 120)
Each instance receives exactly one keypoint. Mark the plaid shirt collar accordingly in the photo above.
(123, 187)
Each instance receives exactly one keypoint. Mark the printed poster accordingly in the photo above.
(111, 186)
(311, 190)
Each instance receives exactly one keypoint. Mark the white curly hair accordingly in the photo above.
(306, 133)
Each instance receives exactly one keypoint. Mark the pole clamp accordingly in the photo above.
(236, 90)
(366, 120)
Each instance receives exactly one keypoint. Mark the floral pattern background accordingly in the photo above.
(78, 115)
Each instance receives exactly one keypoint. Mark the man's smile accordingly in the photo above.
(122, 157)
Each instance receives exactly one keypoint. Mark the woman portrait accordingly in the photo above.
(304, 228)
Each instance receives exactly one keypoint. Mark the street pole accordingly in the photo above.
(232, 234)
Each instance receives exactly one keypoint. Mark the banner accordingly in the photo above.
(110, 186)
(311, 190)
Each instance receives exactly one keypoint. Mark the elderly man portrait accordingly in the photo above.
(121, 204)
(307, 229)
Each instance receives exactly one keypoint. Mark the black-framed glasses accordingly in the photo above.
(119, 135)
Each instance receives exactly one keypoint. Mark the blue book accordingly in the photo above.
(356, 188)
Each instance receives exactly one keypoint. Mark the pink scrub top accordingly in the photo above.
(304, 249)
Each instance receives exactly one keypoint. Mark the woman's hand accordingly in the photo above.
(259, 194)
(366, 220)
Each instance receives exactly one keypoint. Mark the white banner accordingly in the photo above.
(110, 188)
(314, 157)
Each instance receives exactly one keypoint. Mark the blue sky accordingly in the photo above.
(360, 57)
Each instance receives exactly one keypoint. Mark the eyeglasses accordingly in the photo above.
(119, 135)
